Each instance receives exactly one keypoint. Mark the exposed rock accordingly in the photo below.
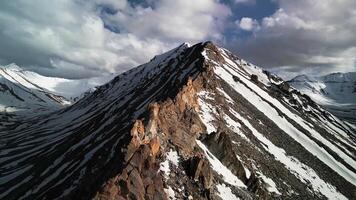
(153, 120)
(236, 79)
(220, 144)
(139, 179)
(257, 186)
(254, 78)
(154, 145)
(187, 97)
(284, 86)
(201, 171)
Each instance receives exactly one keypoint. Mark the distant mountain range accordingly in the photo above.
(25, 94)
(196, 122)
(22, 89)
(336, 92)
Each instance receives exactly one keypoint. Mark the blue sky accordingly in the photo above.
(85, 38)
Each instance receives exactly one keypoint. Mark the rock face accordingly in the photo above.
(194, 123)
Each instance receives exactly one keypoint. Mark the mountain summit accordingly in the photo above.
(194, 123)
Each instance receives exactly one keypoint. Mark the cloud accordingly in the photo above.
(318, 34)
(251, 2)
(84, 38)
(247, 24)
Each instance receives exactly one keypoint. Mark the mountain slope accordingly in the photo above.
(196, 122)
(18, 92)
(26, 94)
(337, 92)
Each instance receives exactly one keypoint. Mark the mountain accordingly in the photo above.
(20, 91)
(26, 93)
(194, 123)
(336, 92)
(22, 95)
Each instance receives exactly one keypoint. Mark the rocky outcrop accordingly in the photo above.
(254, 78)
(257, 186)
(169, 123)
(220, 145)
(200, 170)
(139, 179)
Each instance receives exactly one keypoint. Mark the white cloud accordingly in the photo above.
(307, 33)
(70, 38)
(175, 20)
(245, 2)
(247, 24)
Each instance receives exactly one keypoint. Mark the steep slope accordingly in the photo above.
(336, 92)
(196, 122)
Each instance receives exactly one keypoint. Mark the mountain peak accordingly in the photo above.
(12, 67)
(195, 122)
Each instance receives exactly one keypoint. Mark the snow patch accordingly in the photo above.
(173, 157)
(228, 176)
(170, 193)
(225, 192)
(206, 111)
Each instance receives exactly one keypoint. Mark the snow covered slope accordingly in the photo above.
(196, 122)
(336, 92)
(26, 90)
(27, 94)
(20, 91)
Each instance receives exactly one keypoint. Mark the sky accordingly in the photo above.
(86, 38)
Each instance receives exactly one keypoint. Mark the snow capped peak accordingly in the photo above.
(340, 77)
(12, 67)
(302, 78)
(186, 44)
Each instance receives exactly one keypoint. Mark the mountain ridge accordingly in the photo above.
(161, 131)
(336, 92)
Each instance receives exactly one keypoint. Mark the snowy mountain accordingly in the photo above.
(336, 92)
(20, 90)
(26, 94)
(194, 123)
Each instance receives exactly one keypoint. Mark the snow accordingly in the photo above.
(206, 111)
(248, 172)
(271, 185)
(235, 126)
(262, 100)
(217, 166)
(173, 157)
(300, 170)
(164, 167)
(334, 91)
(170, 193)
(69, 88)
(225, 192)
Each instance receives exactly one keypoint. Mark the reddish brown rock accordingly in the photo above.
(153, 120)
(154, 145)
(201, 171)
